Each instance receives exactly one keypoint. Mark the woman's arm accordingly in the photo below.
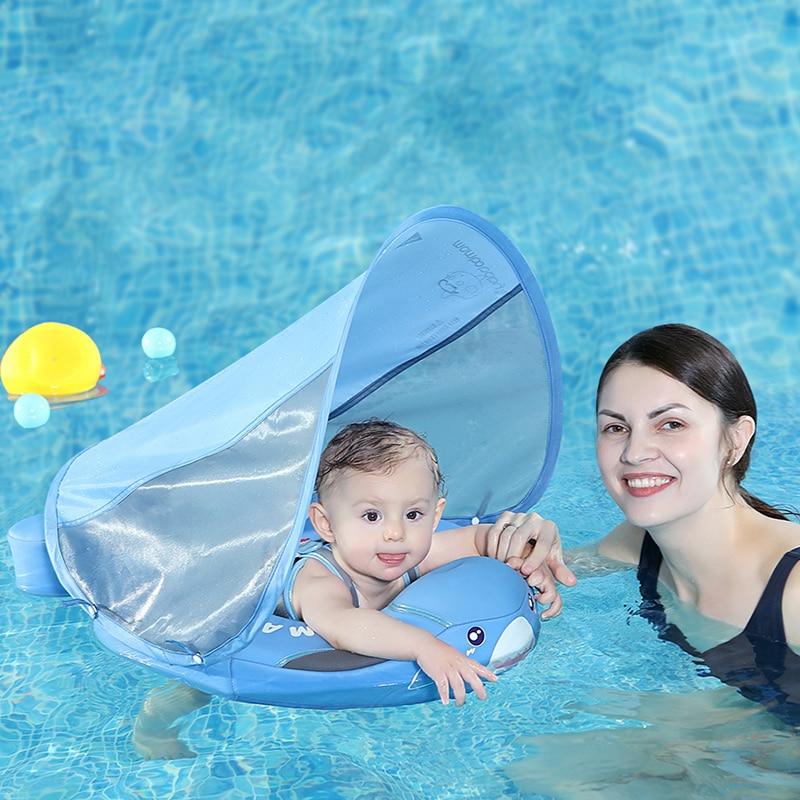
(623, 544)
(616, 551)
(528, 543)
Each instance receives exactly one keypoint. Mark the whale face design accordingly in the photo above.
(515, 642)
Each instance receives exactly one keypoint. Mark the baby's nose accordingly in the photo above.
(393, 533)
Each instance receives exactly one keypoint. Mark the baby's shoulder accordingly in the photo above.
(315, 587)
(311, 570)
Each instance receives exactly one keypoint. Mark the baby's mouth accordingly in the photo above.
(392, 559)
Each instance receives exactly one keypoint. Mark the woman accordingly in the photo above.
(676, 421)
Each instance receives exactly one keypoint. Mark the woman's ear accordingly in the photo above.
(321, 522)
(741, 432)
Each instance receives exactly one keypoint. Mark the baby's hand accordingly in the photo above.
(449, 668)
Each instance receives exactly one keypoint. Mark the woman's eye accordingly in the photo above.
(412, 515)
(371, 516)
(673, 425)
(613, 428)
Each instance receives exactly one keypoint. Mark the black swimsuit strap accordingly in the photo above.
(650, 559)
(757, 661)
(651, 608)
(767, 619)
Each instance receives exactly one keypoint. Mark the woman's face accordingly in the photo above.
(660, 446)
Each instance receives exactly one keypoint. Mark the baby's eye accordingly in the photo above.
(371, 516)
(413, 515)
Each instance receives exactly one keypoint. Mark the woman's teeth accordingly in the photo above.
(647, 483)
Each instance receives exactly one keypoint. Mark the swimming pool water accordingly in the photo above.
(219, 168)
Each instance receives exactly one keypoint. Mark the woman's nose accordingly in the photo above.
(639, 448)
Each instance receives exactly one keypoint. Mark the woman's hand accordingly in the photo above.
(449, 669)
(531, 545)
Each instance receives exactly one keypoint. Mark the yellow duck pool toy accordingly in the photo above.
(55, 360)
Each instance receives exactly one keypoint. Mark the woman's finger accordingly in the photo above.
(493, 536)
(515, 563)
(536, 539)
(563, 573)
(513, 532)
(547, 546)
(522, 539)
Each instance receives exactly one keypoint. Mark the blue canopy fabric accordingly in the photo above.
(178, 532)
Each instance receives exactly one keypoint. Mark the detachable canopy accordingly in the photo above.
(179, 531)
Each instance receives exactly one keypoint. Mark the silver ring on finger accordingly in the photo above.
(507, 525)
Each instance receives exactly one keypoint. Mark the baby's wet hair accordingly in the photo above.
(377, 446)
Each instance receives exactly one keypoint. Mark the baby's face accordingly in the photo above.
(383, 522)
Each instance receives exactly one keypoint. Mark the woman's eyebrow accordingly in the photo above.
(652, 415)
(666, 408)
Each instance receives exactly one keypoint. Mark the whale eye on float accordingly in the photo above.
(476, 636)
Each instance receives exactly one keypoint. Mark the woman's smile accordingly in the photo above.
(645, 484)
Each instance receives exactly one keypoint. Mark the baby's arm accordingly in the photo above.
(325, 605)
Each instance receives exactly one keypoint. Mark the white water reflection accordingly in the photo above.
(660, 746)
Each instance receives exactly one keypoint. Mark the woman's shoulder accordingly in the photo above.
(772, 537)
(789, 537)
(782, 537)
(624, 543)
(791, 607)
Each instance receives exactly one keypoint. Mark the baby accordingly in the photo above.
(379, 502)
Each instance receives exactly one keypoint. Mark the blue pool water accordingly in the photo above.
(219, 168)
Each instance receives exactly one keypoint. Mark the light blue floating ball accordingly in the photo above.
(158, 343)
(31, 410)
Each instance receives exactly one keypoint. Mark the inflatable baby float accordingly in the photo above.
(177, 534)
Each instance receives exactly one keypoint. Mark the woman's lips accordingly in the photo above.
(392, 559)
(646, 485)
